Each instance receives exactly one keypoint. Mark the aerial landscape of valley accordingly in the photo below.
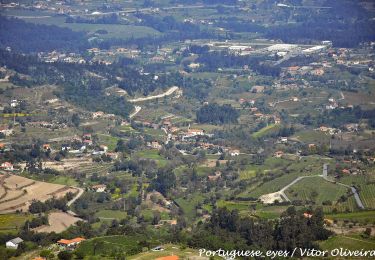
(187, 129)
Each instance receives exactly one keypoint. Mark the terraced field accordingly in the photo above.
(100, 169)
(20, 191)
(349, 205)
(367, 195)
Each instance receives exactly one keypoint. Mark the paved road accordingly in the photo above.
(137, 109)
(167, 93)
(357, 198)
(352, 188)
(325, 177)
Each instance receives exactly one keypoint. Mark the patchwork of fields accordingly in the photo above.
(18, 192)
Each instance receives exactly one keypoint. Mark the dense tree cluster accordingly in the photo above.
(292, 230)
(30, 37)
(37, 206)
(164, 181)
(223, 59)
(340, 116)
(217, 114)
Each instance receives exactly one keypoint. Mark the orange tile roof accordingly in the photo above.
(171, 257)
(64, 241)
(77, 239)
(68, 242)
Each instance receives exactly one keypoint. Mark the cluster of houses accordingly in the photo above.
(186, 136)
(56, 56)
(303, 70)
(329, 130)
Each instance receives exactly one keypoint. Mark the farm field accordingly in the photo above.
(265, 130)
(360, 216)
(64, 180)
(269, 212)
(114, 30)
(272, 186)
(21, 191)
(367, 195)
(58, 222)
(189, 203)
(110, 141)
(153, 155)
(69, 164)
(12, 222)
(348, 205)
(111, 244)
(312, 136)
(315, 189)
(353, 242)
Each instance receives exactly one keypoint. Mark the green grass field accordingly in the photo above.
(153, 155)
(248, 173)
(352, 242)
(360, 216)
(12, 222)
(287, 170)
(107, 246)
(312, 136)
(273, 185)
(109, 141)
(189, 203)
(232, 205)
(269, 212)
(114, 30)
(64, 180)
(265, 130)
(306, 188)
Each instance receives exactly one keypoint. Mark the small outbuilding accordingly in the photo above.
(13, 244)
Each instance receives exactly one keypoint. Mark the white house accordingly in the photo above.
(99, 188)
(234, 152)
(14, 103)
(13, 244)
(283, 140)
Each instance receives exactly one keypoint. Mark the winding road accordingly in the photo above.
(167, 93)
(76, 197)
(139, 108)
(324, 175)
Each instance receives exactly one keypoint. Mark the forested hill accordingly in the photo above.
(28, 37)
